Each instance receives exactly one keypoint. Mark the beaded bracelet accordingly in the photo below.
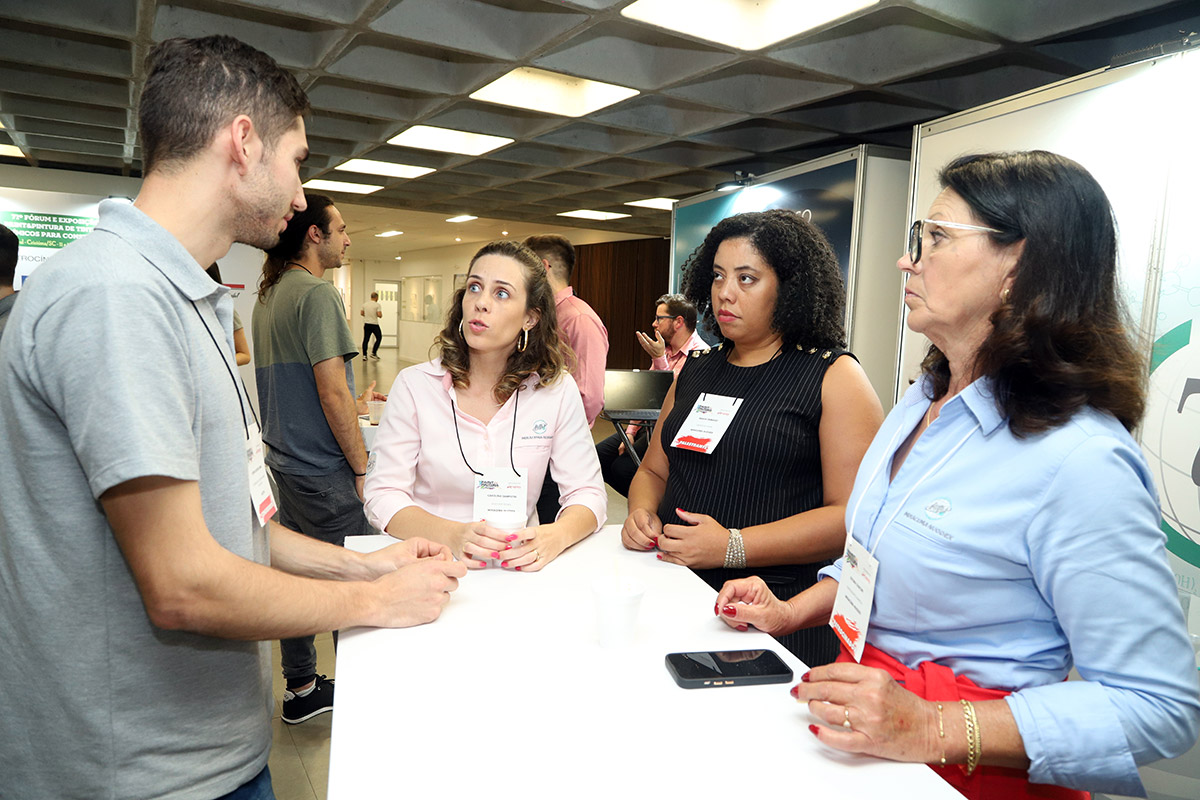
(941, 733)
(735, 551)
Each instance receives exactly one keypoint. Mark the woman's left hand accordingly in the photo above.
(534, 548)
(885, 719)
(370, 394)
(700, 544)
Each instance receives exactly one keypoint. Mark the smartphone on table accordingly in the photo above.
(714, 668)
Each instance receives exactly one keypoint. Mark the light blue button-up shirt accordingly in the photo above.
(1015, 560)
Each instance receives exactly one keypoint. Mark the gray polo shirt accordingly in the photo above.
(117, 364)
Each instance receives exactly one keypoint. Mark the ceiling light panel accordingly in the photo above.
(461, 218)
(388, 234)
(743, 24)
(11, 151)
(388, 168)
(658, 203)
(584, 213)
(552, 92)
(341, 186)
(447, 140)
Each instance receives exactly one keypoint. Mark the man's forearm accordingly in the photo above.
(301, 555)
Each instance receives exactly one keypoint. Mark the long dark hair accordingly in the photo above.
(810, 307)
(1061, 341)
(544, 352)
(292, 240)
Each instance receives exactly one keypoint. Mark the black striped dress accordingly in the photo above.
(767, 466)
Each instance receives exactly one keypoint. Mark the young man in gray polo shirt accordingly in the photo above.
(137, 580)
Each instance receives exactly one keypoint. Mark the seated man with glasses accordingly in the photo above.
(674, 337)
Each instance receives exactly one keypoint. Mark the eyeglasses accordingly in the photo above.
(657, 317)
(916, 234)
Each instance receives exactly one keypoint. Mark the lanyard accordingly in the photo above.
(878, 467)
(239, 392)
(512, 438)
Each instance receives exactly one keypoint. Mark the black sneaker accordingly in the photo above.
(297, 709)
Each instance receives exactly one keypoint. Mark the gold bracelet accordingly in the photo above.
(941, 733)
(974, 743)
(735, 551)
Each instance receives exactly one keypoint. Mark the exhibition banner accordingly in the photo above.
(44, 222)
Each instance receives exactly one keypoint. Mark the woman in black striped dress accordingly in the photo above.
(769, 498)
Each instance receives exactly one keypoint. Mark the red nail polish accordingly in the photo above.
(483, 563)
(504, 563)
(729, 611)
(518, 569)
(815, 730)
(508, 547)
(680, 511)
(716, 610)
(795, 691)
(510, 537)
(655, 540)
(805, 677)
(743, 627)
(495, 554)
(658, 556)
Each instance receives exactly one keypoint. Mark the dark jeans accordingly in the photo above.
(618, 470)
(257, 788)
(324, 507)
(370, 330)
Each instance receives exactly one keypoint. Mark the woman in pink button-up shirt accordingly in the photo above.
(499, 396)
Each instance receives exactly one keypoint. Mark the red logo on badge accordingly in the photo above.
(692, 443)
(846, 629)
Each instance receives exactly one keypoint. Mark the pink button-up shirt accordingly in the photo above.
(416, 461)
(588, 337)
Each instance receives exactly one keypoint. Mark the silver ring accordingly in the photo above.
(846, 723)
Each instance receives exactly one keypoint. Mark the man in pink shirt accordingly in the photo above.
(674, 337)
(580, 326)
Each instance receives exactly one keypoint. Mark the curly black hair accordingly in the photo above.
(810, 308)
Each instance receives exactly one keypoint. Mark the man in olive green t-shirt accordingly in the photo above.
(304, 355)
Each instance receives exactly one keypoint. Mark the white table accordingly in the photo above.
(509, 694)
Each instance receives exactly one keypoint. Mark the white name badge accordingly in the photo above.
(856, 591)
(707, 422)
(500, 499)
(260, 488)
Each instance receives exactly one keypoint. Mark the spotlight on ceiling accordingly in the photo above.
(740, 179)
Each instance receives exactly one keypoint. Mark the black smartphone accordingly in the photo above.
(727, 668)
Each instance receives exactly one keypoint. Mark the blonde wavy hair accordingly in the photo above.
(545, 353)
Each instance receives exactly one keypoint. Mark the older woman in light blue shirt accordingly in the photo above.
(1013, 517)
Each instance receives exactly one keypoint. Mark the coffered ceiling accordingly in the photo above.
(70, 72)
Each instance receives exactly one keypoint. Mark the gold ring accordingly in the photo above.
(846, 723)
(535, 555)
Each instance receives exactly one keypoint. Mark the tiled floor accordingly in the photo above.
(300, 753)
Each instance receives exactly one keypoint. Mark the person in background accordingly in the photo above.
(371, 312)
(8, 270)
(241, 349)
(310, 414)
(769, 498)
(674, 337)
(1010, 513)
(134, 660)
(496, 402)
(581, 328)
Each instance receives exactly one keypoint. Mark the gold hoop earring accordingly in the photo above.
(461, 335)
(1005, 295)
(522, 341)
